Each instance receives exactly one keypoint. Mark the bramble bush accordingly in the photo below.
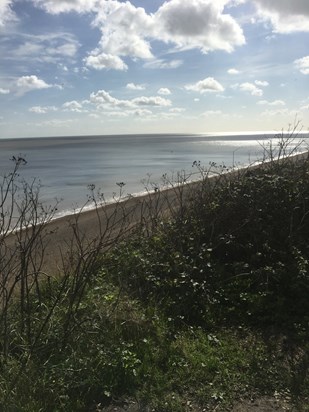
(241, 255)
(207, 304)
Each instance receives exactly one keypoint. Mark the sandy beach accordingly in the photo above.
(67, 238)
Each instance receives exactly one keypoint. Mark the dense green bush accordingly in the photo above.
(210, 307)
(243, 256)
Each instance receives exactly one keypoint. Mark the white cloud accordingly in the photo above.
(67, 49)
(286, 16)
(61, 6)
(248, 87)
(28, 83)
(105, 61)
(58, 48)
(151, 101)
(233, 71)
(261, 83)
(163, 64)
(123, 113)
(133, 86)
(42, 109)
(200, 24)
(142, 112)
(164, 91)
(94, 115)
(177, 110)
(273, 103)
(127, 30)
(4, 91)
(63, 67)
(124, 29)
(104, 99)
(207, 85)
(233, 3)
(302, 64)
(6, 13)
(72, 106)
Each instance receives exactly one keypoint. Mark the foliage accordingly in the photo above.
(242, 254)
(190, 313)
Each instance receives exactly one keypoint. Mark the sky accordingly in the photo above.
(84, 67)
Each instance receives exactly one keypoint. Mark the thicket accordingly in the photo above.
(204, 305)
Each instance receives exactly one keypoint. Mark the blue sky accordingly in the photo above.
(78, 67)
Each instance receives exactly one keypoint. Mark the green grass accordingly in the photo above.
(211, 308)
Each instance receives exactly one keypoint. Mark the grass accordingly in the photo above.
(210, 308)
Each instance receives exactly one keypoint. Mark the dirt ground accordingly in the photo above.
(263, 404)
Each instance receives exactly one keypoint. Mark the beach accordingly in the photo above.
(167, 274)
(64, 168)
(63, 241)
(66, 238)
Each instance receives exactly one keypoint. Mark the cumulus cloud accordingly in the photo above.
(62, 6)
(105, 61)
(127, 30)
(133, 86)
(151, 101)
(285, 16)
(233, 71)
(164, 91)
(207, 85)
(27, 84)
(42, 109)
(4, 91)
(124, 29)
(261, 83)
(104, 99)
(302, 64)
(200, 24)
(142, 112)
(72, 106)
(248, 87)
(123, 113)
(6, 13)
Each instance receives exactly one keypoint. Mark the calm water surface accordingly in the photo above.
(65, 166)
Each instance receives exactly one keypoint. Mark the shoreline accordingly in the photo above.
(108, 223)
(85, 208)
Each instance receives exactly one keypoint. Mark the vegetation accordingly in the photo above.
(198, 311)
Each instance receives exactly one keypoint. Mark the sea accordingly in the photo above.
(66, 167)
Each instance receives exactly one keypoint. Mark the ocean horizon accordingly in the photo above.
(64, 167)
